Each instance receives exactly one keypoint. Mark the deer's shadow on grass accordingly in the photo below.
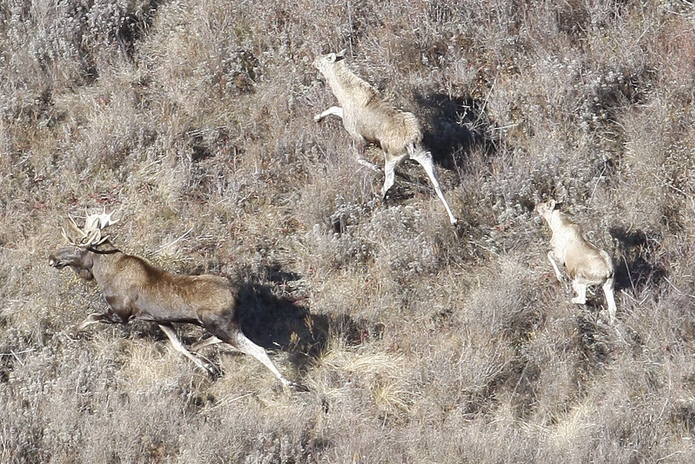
(277, 322)
(453, 126)
(273, 317)
(636, 267)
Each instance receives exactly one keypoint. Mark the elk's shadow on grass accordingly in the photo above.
(273, 316)
(636, 267)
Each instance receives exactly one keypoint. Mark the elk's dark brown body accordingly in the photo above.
(137, 290)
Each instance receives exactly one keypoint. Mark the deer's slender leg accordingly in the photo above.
(239, 341)
(425, 160)
(551, 258)
(366, 163)
(207, 342)
(390, 163)
(581, 292)
(360, 146)
(225, 326)
(610, 298)
(93, 319)
(333, 110)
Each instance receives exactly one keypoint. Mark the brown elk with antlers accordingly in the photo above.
(137, 290)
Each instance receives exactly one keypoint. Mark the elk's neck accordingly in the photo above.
(561, 224)
(105, 263)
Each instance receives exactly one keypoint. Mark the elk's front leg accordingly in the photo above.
(360, 147)
(95, 317)
(116, 313)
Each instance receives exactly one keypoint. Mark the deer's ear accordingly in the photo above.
(341, 54)
(552, 204)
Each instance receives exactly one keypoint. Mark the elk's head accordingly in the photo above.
(83, 244)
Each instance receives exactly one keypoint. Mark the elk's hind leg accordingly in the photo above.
(178, 346)
(610, 299)
(425, 160)
(230, 332)
(242, 343)
(390, 163)
(207, 342)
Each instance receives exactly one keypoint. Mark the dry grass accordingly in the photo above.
(420, 343)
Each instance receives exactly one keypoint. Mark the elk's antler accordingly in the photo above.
(91, 234)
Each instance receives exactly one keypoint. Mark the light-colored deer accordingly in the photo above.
(370, 119)
(585, 264)
(136, 290)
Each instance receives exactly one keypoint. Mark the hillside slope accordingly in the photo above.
(193, 122)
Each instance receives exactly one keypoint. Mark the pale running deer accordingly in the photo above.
(371, 119)
(586, 265)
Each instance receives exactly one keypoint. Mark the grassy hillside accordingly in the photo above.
(421, 343)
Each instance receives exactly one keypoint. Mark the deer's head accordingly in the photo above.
(324, 62)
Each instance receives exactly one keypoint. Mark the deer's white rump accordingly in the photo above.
(585, 264)
(370, 119)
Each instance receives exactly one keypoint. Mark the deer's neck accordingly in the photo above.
(348, 87)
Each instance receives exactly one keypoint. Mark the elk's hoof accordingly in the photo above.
(213, 371)
(606, 317)
(297, 386)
